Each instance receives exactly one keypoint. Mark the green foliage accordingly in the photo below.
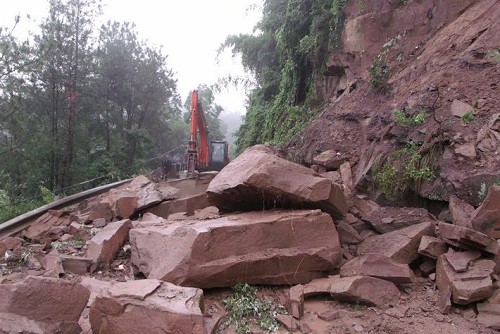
(47, 195)
(403, 168)
(468, 117)
(286, 55)
(494, 54)
(379, 71)
(358, 307)
(246, 309)
(402, 118)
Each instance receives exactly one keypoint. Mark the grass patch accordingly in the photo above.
(468, 117)
(246, 310)
(401, 117)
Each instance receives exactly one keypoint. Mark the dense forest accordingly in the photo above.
(82, 105)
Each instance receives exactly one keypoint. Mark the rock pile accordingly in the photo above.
(292, 227)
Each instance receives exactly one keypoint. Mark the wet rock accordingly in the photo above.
(266, 247)
(147, 306)
(400, 245)
(49, 226)
(295, 303)
(388, 219)
(188, 204)
(489, 315)
(467, 150)
(444, 300)
(486, 218)
(459, 108)
(104, 246)
(432, 247)
(41, 303)
(330, 159)
(467, 287)
(258, 179)
(348, 234)
(460, 211)
(379, 266)
(288, 322)
(362, 289)
(460, 261)
(76, 264)
(140, 193)
(9, 243)
(427, 267)
(466, 238)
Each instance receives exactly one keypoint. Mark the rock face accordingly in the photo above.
(486, 218)
(466, 238)
(266, 247)
(258, 179)
(467, 287)
(140, 193)
(147, 306)
(106, 243)
(388, 219)
(400, 245)
(379, 266)
(42, 305)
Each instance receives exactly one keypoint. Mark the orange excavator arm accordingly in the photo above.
(198, 152)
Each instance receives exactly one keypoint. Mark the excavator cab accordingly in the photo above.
(218, 155)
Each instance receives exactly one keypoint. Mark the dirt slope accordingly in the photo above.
(444, 50)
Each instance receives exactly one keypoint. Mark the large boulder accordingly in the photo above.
(266, 247)
(470, 286)
(388, 219)
(379, 266)
(466, 238)
(147, 306)
(486, 218)
(42, 305)
(139, 194)
(460, 211)
(400, 245)
(104, 246)
(258, 179)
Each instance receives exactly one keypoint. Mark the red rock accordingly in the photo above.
(486, 218)
(42, 302)
(400, 245)
(466, 238)
(139, 194)
(148, 306)
(96, 287)
(104, 246)
(362, 206)
(53, 264)
(101, 211)
(295, 303)
(287, 321)
(432, 247)
(330, 159)
(363, 289)
(379, 266)
(461, 212)
(460, 261)
(258, 179)
(265, 247)
(388, 219)
(444, 300)
(213, 323)
(427, 267)
(468, 287)
(14, 323)
(329, 315)
(49, 226)
(348, 234)
(9, 243)
(76, 264)
(459, 108)
(189, 205)
(489, 315)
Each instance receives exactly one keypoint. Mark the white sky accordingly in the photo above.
(190, 32)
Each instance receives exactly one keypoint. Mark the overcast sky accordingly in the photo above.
(190, 32)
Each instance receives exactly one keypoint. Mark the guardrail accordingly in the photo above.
(19, 223)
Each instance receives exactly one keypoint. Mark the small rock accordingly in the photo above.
(432, 247)
(329, 315)
(459, 108)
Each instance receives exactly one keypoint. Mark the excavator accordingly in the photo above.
(204, 155)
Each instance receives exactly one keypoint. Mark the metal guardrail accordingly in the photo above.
(19, 223)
